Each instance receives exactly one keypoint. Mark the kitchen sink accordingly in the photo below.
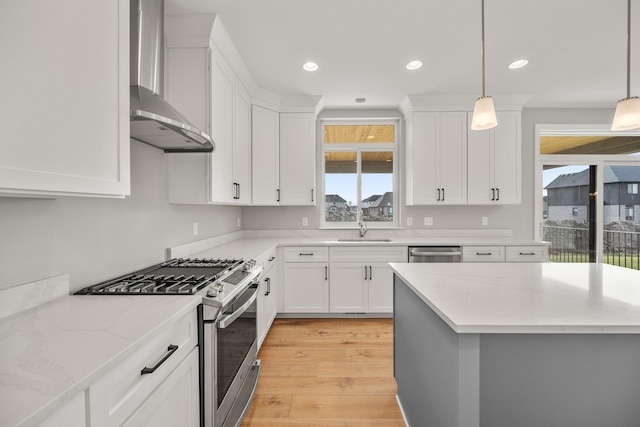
(364, 240)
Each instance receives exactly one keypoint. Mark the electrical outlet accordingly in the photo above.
(428, 220)
(409, 220)
(485, 220)
(238, 222)
(305, 221)
(195, 228)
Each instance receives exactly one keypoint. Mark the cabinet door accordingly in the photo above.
(71, 414)
(222, 111)
(265, 137)
(348, 288)
(297, 159)
(242, 147)
(495, 161)
(175, 402)
(65, 98)
(507, 158)
(381, 288)
(452, 158)
(421, 155)
(267, 303)
(306, 287)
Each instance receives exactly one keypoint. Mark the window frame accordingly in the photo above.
(360, 147)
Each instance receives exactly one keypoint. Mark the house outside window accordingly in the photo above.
(574, 211)
(628, 213)
(360, 173)
(632, 188)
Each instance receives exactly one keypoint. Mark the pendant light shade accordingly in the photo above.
(627, 115)
(484, 114)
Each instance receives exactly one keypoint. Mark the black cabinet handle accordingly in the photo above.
(498, 191)
(312, 195)
(238, 191)
(443, 194)
(268, 282)
(278, 194)
(326, 273)
(370, 273)
(272, 258)
(172, 349)
(484, 253)
(527, 253)
(365, 272)
(438, 195)
(493, 194)
(306, 253)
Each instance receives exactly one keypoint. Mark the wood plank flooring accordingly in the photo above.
(326, 372)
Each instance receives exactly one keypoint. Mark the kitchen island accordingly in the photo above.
(497, 345)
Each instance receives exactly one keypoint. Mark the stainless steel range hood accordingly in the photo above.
(153, 120)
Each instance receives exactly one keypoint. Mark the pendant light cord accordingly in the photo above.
(483, 65)
(628, 48)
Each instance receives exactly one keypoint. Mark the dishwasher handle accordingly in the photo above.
(427, 252)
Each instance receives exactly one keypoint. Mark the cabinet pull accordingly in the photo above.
(326, 273)
(438, 195)
(365, 273)
(370, 273)
(278, 194)
(312, 195)
(172, 349)
(498, 192)
(268, 282)
(484, 253)
(527, 253)
(443, 194)
(493, 194)
(306, 253)
(238, 191)
(272, 258)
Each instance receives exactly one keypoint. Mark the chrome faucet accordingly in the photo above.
(363, 225)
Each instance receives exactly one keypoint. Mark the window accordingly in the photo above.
(632, 188)
(628, 213)
(575, 211)
(360, 173)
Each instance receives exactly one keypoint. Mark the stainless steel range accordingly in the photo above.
(227, 333)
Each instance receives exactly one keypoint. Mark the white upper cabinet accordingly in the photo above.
(207, 90)
(494, 161)
(298, 159)
(265, 137)
(437, 158)
(64, 106)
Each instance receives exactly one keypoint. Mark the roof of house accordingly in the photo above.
(334, 198)
(612, 174)
(372, 198)
(385, 200)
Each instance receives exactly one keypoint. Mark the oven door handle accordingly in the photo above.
(225, 321)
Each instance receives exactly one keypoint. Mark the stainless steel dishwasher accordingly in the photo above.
(435, 254)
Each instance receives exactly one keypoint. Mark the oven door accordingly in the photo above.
(231, 368)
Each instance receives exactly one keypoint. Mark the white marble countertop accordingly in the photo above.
(51, 353)
(529, 297)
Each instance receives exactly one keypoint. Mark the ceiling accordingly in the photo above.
(576, 48)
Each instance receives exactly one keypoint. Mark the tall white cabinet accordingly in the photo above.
(495, 162)
(298, 159)
(436, 158)
(64, 106)
(206, 89)
(265, 144)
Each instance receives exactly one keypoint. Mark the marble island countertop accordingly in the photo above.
(51, 353)
(529, 297)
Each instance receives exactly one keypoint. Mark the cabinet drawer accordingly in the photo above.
(306, 254)
(119, 393)
(483, 254)
(526, 254)
(267, 259)
(368, 254)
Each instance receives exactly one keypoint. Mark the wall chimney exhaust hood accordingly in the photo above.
(153, 120)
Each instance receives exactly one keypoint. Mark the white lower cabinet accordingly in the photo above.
(349, 288)
(267, 299)
(166, 396)
(527, 253)
(175, 402)
(306, 287)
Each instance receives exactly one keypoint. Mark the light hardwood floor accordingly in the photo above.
(326, 372)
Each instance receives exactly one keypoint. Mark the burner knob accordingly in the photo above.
(212, 292)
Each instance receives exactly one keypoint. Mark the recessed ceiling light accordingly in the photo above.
(414, 65)
(310, 66)
(360, 100)
(518, 64)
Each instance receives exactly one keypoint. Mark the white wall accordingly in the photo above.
(97, 239)
(518, 218)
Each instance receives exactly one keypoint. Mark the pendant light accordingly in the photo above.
(627, 114)
(484, 114)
